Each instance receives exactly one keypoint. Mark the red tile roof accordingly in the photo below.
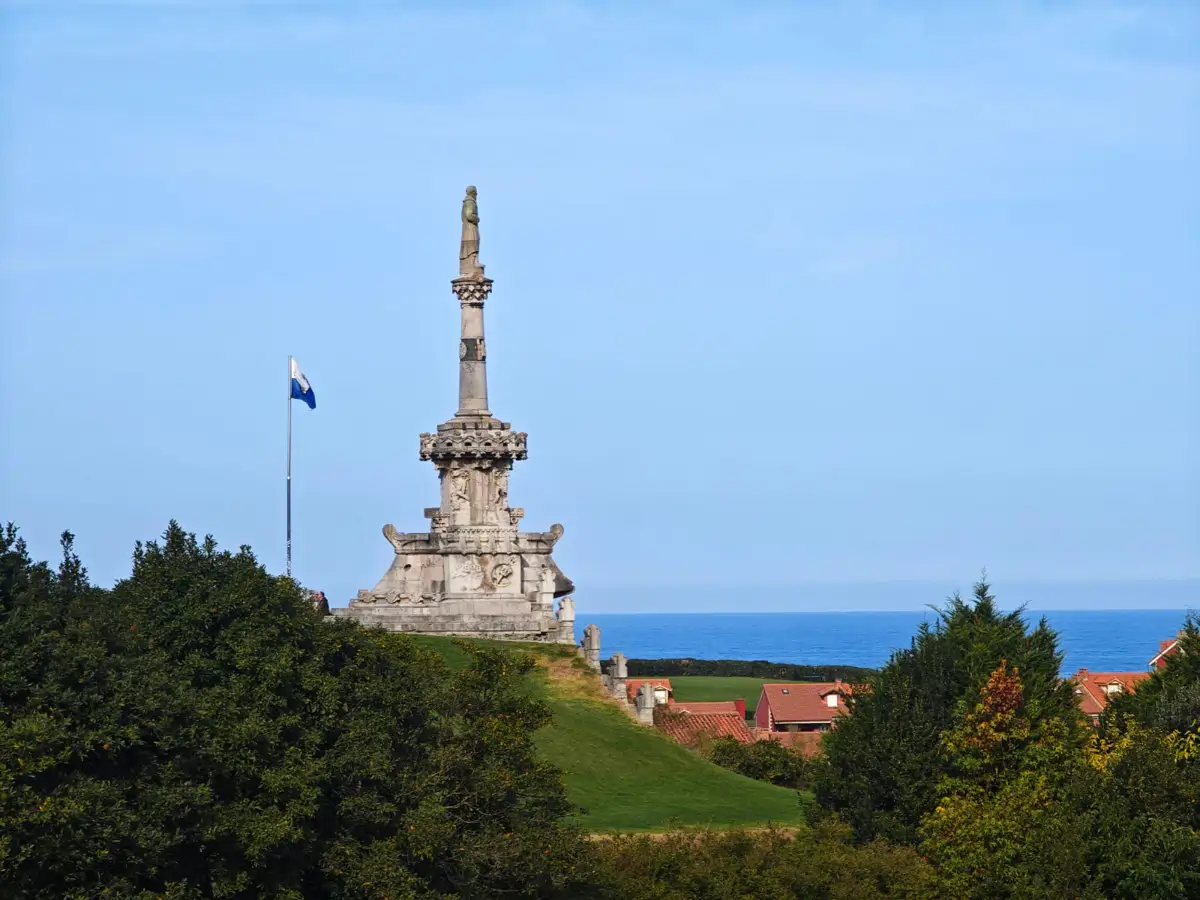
(1089, 687)
(689, 728)
(711, 708)
(806, 743)
(1165, 649)
(632, 685)
(804, 701)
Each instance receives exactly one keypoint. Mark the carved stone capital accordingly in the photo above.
(472, 290)
(489, 444)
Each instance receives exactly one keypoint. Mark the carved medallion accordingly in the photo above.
(462, 349)
(502, 574)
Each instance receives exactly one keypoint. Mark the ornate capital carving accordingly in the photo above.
(472, 291)
(474, 444)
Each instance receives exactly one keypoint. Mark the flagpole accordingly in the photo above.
(289, 470)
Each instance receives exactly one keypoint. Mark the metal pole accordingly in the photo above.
(289, 471)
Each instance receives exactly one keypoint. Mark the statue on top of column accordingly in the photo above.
(468, 253)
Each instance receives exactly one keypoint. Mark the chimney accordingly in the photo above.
(740, 703)
(1082, 674)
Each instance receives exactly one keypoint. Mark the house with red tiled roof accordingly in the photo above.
(1165, 649)
(800, 707)
(711, 707)
(693, 728)
(1093, 689)
(662, 689)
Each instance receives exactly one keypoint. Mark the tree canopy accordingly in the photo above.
(199, 731)
(885, 762)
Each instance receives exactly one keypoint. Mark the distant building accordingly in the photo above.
(693, 723)
(712, 707)
(1094, 689)
(1165, 648)
(806, 707)
(661, 686)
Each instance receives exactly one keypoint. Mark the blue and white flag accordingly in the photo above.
(301, 389)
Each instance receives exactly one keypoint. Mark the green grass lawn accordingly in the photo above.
(629, 777)
(713, 687)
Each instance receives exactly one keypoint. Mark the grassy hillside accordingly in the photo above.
(710, 687)
(626, 776)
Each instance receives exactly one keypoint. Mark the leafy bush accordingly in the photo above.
(198, 731)
(819, 864)
(762, 760)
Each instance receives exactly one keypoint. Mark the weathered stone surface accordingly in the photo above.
(473, 572)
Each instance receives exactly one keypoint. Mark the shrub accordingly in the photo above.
(763, 760)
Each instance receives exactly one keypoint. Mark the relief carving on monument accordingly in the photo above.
(504, 572)
(460, 483)
(500, 488)
(469, 573)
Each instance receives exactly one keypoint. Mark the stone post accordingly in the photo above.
(643, 703)
(618, 671)
(591, 646)
(472, 350)
(566, 620)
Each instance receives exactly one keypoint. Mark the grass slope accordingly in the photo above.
(626, 776)
(714, 687)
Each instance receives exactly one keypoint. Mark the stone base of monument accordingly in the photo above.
(433, 621)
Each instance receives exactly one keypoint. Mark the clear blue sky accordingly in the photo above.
(785, 293)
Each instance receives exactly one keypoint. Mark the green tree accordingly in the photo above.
(1001, 830)
(1169, 700)
(198, 731)
(884, 763)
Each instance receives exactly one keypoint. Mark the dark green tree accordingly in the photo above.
(198, 731)
(1169, 700)
(884, 763)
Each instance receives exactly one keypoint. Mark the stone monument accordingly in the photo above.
(473, 573)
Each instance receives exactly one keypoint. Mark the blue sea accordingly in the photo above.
(1103, 641)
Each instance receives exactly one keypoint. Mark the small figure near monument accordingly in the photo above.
(468, 253)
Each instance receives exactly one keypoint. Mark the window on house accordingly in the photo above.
(1114, 688)
(831, 700)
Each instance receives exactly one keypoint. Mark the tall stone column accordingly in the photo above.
(472, 291)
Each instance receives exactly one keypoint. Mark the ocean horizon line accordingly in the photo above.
(931, 608)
